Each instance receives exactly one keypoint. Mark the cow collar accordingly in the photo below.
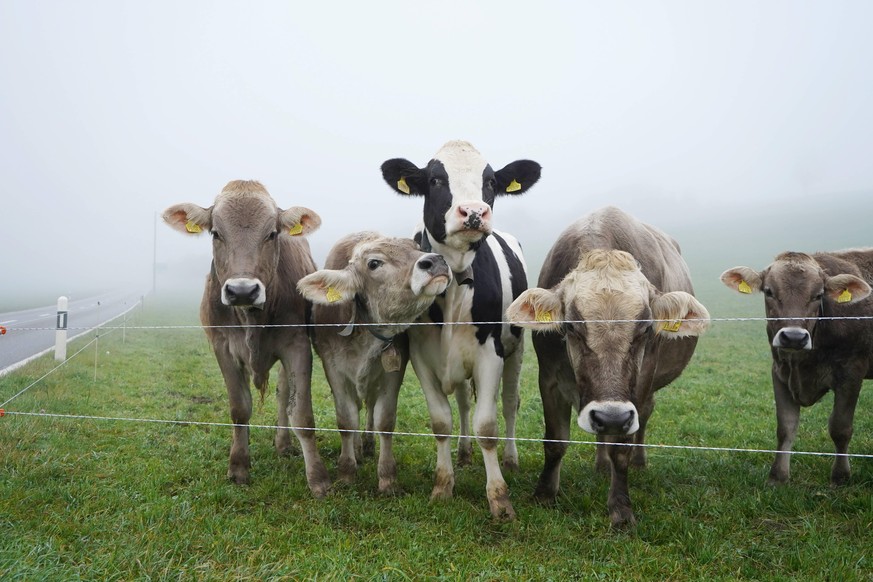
(350, 328)
(464, 277)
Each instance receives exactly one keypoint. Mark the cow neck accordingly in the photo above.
(461, 264)
(361, 314)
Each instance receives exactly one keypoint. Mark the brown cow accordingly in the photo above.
(259, 254)
(617, 321)
(812, 356)
(369, 278)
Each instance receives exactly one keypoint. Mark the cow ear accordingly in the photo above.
(328, 287)
(537, 309)
(299, 221)
(679, 314)
(404, 177)
(742, 279)
(517, 177)
(846, 288)
(188, 218)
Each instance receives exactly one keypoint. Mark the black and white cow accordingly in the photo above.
(459, 188)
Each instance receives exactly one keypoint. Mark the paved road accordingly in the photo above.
(32, 331)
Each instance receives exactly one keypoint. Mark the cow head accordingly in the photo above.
(247, 228)
(795, 290)
(394, 280)
(610, 316)
(459, 188)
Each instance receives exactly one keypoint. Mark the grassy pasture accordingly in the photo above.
(121, 500)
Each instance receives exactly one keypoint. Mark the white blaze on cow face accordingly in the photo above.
(795, 288)
(246, 227)
(468, 218)
(609, 314)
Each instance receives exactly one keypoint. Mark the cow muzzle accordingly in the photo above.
(243, 292)
(609, 418)
(475, 216)
(431, 275)
(792, 338)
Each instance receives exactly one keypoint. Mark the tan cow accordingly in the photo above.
(812, 356)
(258, 255)
(370, 279)
(617, 321)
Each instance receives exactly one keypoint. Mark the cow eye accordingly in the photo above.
(434, 182)
(215, 235)
(272, 235)
(818, 296)
(374, 264)
(768, 292)
(491, 183)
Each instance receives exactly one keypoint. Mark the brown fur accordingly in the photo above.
(242, 218)
(803, 286)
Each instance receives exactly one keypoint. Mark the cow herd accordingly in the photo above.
(614, 319)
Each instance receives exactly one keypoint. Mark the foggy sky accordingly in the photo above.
(694, 116)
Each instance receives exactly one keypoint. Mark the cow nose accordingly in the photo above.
(612, 421)
(432, 264)
(474, 214)
(243, 292)
(792, 338)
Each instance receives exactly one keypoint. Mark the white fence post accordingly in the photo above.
(61, 333)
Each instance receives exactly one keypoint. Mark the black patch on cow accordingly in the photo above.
(517, 276)
(437, 200)
(488, 292)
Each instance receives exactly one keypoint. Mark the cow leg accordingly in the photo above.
(511, 402)
(487, 373)
(236, 380)
(619, 504)
(298, 367)
(368, 441)
(465, 444)
(556, 414)
(787, 420)
(282, 440)
(441, 423)
(385, 418)
(840, 427)
(638, 456)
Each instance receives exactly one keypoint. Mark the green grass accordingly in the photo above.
(122, 500)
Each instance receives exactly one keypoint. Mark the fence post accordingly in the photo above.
(61, 333)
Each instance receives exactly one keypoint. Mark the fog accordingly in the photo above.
(741, 128)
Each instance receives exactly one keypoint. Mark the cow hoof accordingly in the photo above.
(347, 470)
(320, 489)
(501, 508)
(545, 494)
(440, 493)
(238, 476)
(839, 480)
(622, 519)
(776, 480)
(389, 489)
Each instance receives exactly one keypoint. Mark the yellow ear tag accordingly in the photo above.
(844, 297)
(743, 287)
(543, 317)
(296, 229)
(672, 326)
(513, 187)
(403, 186)
(192, 227)
(333, 295)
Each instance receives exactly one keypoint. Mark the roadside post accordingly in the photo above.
(61, 333)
